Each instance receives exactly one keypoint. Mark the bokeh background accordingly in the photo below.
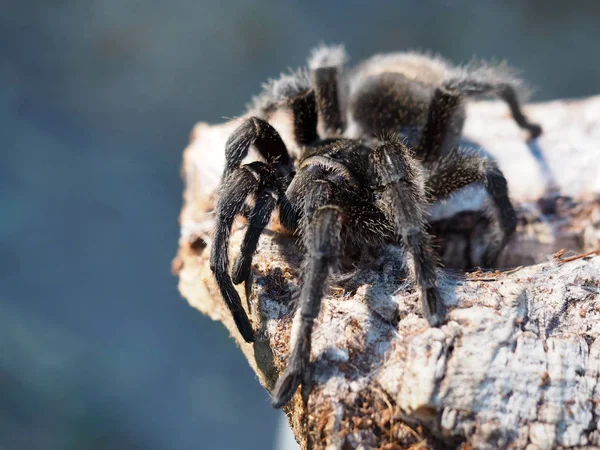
(97, 98)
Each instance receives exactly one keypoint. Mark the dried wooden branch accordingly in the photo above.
(516, 365)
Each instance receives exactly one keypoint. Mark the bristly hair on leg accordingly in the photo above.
(276, 92)
(479, 72)
(480, 79)
(326, 73)
(327, 56)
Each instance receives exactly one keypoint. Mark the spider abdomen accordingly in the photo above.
(393, 103)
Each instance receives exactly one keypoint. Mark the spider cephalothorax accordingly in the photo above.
(342, 195)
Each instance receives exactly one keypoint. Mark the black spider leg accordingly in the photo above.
(303, 106)
(462, 167)
(293, 91)
(263, 136)
(304, 111)
(471, 85)
(326, 65)
(402, 196)
(236, 188)
(326, 83)
(305, 119)
(322, 240)
(266, 200)
(237, 184)
(439, 119)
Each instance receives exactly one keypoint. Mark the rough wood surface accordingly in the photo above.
(517, 364)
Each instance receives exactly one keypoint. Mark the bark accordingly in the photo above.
(517, 364)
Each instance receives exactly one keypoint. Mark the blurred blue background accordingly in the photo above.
(97, 98)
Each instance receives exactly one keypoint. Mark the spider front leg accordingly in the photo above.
(322, 240)
(462, 167)
(266, 200)
(257, 132)
(401, 198)
(236, 188)
(494, 80)
(238, 182)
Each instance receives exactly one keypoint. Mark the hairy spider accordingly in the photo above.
(344, 195)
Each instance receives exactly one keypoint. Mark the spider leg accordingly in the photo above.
(325, 63)
(292, 90)
(462, 167)
(478, 80)
(263, 136)
(238, 186)
(292, 200)
(441, 111)
(259, 218)
(401, 199)
(304, 111)
(322, 239)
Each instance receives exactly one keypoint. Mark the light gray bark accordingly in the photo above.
(517, 364)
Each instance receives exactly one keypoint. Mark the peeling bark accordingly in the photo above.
(517, 363)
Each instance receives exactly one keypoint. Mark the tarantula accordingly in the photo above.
(346, 195)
